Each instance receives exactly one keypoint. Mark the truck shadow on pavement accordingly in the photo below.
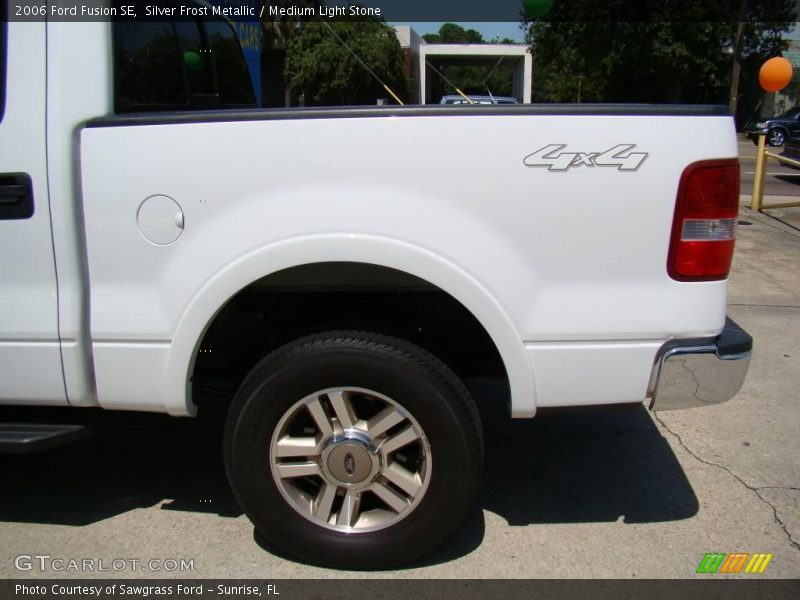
(577, 467)
(599, 466)
(136, 460)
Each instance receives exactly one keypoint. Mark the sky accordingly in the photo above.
(488, 30)
(511, 29)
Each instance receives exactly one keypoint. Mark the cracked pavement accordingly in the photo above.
(617, 494)
(754, 437)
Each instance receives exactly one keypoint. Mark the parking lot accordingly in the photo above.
(781, 180)
(602, 494)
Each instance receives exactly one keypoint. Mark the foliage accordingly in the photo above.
(320, 66)
(277, 30)
(591, 52)
(450, 33)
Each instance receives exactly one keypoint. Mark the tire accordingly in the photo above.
(776, 137)
(354, 450)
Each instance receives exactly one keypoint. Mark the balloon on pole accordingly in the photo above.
(537, 8)
(775, 74)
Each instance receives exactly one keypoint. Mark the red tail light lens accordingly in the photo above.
(704, 227)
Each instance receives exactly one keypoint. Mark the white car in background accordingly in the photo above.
(458, 99)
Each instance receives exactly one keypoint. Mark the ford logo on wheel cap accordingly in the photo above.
(349, 463)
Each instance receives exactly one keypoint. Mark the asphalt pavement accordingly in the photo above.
(629, 494)
(783, 181)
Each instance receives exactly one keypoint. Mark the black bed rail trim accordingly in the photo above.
(434, 110)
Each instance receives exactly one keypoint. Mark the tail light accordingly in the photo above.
(704, 227)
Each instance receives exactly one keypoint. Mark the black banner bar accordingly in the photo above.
(400, 589)
(408, 10)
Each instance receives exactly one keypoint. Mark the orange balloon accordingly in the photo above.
(775, 74)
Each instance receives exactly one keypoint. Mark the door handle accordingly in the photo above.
(12, 193)
(16, 196)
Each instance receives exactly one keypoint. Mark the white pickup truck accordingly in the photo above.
(339, 272)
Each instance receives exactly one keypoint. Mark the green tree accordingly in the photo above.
(451, 33)
(760, 38)
(592, 52)
(276, 31)
(319, 66)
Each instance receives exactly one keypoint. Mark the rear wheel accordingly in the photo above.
(354, 450)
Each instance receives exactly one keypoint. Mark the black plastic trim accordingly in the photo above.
(434, 110)
(16, 196)
(733, 340)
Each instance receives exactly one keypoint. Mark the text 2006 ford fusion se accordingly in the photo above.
(167, 246)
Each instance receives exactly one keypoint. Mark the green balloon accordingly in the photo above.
(193, 61)
(537, 8)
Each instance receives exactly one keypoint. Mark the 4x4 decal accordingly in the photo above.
(620, 156)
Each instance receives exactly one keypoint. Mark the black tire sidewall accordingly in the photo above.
(423, 388)
(776, 130)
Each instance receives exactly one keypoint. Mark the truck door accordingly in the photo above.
(30, 359)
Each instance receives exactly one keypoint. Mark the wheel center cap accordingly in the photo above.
(349, 462)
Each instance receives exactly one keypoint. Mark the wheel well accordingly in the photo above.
(292, 303)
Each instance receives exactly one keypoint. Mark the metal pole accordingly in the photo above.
(758, 181)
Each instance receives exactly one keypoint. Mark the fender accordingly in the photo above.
(381, 251)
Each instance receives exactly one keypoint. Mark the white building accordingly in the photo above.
(787, 97)
(422, 58)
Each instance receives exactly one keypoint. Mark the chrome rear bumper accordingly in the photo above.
(690, 373)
